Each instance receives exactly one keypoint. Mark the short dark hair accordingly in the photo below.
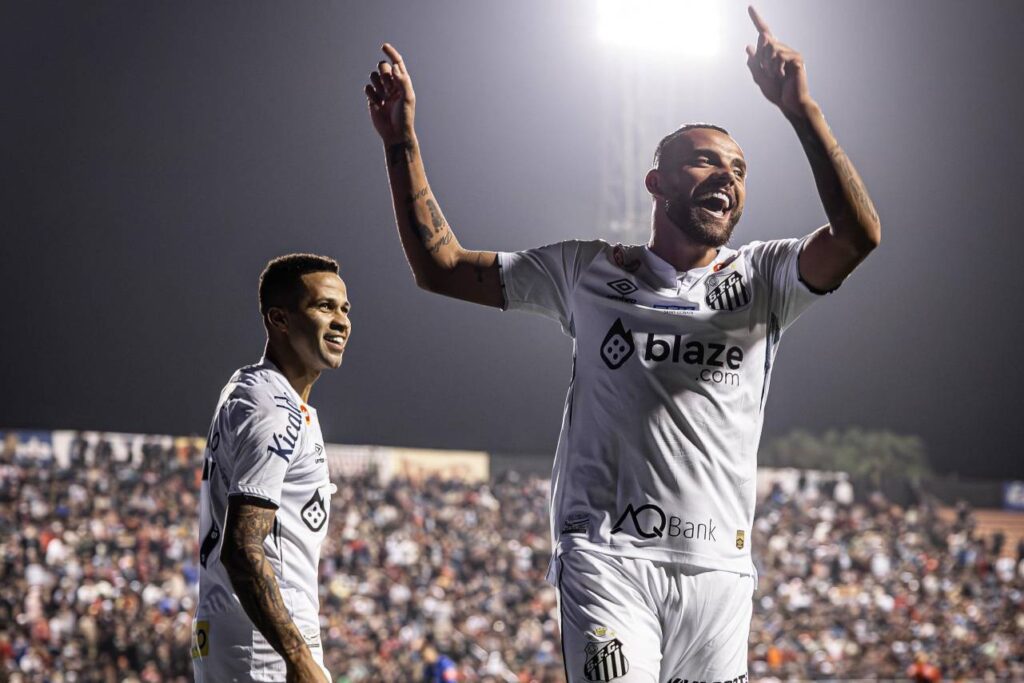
(674, 135)
(281, 280)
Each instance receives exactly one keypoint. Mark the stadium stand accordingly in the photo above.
(98, 575)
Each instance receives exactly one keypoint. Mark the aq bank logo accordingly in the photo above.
(648, 521)
(617, 346)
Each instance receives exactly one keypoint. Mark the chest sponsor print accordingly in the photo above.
(314, 512)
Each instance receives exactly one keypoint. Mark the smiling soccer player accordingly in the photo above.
(266, 492)
(674, 341)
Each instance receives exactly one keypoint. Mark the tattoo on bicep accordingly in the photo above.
(435, 215)
(398, 152)
(422, 230)
(445, 239)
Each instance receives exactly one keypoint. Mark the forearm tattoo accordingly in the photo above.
(842, 190)
(254, 582)
(399, 152)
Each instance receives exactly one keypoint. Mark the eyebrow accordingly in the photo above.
(704, 151)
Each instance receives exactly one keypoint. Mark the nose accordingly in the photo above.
(341, 322)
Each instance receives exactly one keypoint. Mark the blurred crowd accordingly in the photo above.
(441, 580)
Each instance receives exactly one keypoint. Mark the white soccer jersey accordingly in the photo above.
(264, 443)
(657, 456)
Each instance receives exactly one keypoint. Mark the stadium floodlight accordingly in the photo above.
(688, 27)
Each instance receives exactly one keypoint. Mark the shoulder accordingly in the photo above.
(256, 388)
(766, 255)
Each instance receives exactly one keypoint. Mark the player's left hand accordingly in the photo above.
(778, 70)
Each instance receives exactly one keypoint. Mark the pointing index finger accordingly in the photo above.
(759, 23)
(392, 53)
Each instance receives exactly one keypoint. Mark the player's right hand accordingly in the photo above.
(304, 670)
(391, 98)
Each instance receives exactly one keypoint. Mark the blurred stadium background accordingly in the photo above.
(884, 572)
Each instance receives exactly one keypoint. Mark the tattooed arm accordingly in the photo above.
(248, 523)
(854, 228)
(439, 263)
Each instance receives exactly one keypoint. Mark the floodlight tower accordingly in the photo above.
(653, 47)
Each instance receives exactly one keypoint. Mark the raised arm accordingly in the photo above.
(248, 523)
(854, 229)
(438, 261)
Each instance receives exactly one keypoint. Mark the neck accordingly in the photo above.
(672, 245)
(299, 376)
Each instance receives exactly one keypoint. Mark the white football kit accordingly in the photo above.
(264, 443)
(653, 486)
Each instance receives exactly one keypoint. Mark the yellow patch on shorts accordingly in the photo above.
(201, 639)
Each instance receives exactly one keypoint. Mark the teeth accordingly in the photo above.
(721, 195)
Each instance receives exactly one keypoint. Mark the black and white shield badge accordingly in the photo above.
(605, 661)
(314, 512)
(727, 292)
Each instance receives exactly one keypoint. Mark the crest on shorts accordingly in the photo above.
(605, 659)
(726, 291)
(314, 512)
(740, 534)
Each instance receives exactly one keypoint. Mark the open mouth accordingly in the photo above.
(717, 203)
(335, 342)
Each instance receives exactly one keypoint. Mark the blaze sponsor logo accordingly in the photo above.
(617, 346)
(200, 639)
(283, 444)
(650, 521)
(605, 660)
(727, 292)
(740, 539)
(716, 360)
(314, 512)
(672, 349)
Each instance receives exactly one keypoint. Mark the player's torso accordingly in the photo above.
(300, 524)
(658, 444)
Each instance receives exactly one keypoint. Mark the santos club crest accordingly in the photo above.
(727, 292)
(605, 660)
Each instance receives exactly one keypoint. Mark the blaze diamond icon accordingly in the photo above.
(617, 346)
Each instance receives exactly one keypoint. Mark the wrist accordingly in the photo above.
(803, 112)
(407, 139)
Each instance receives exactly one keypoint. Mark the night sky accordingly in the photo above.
(156, 155)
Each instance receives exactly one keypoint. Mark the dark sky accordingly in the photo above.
(155, 155)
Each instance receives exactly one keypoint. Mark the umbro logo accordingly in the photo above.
(623, 286)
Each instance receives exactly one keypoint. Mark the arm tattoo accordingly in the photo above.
(845, 192)
(253, 578)
(418, 195)
(441, 242)
(435, 215)
(862, 204)
(398, 152)
(422, 230)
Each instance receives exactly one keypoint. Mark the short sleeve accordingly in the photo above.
(542, 280)
(265, 431)
(777, 264)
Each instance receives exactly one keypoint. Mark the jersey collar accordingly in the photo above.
(666, 276)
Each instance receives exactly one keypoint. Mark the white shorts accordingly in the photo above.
(226, 648)
(639, 621)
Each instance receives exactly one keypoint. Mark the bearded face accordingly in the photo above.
(701, 184)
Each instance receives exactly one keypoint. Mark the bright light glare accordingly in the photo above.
(688, 27)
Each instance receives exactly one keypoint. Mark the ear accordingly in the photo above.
(653, 182)
(277, 319)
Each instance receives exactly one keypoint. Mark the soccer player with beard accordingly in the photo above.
(652, 498)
